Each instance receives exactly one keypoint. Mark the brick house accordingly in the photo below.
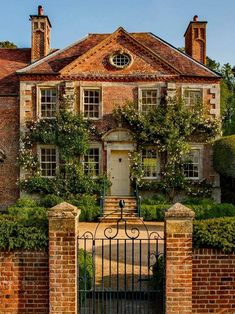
(102, 70)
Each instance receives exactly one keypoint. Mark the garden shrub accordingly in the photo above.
(154, 212)
(216, 233)
(157, 199)
(85, 269)
(203, 211)
(51, 200)
(90, 210)
(224, 156)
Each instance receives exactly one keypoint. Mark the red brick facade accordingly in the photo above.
(86, 64)
(9, 145)
(24, 282)
(213, 281)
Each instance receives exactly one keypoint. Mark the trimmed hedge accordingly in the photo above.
(206, 211)
(215, 233)
(25, 224)
(224, 156)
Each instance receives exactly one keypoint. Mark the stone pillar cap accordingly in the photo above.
(179, 211)
(64, 210)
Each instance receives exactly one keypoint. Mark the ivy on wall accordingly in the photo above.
(70, 133)
(169, 128)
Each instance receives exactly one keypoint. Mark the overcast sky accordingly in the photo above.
(168, 19)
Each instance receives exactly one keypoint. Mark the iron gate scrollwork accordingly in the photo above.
(121, 269)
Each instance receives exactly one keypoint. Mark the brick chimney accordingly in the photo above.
(41, 35)
(195, 40)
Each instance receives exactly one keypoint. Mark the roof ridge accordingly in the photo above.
(185, 55)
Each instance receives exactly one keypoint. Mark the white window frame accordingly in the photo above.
(193, 89)
(39, 96)
(82, 104)
(140, 96)
(198, 147)
(99, 147)
(157, 163)
(39, 148)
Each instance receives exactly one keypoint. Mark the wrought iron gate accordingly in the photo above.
(121, 269)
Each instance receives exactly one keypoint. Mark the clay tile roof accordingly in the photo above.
(12, 60)
(184, 64)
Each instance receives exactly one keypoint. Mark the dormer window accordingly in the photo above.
(120, 60)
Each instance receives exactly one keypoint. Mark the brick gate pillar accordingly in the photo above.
(63, 259)
(178, 257)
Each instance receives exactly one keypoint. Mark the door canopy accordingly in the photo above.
(118, 135)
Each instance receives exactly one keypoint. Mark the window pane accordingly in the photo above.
(91, 102)
(48, 102)
(191, 166)
(149, 99)
(48, 162)
(192, 97)
(150, 162)
(92, 162)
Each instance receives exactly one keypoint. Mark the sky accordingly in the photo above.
(73, 19)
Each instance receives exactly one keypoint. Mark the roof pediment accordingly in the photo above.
(153, 58)
(97, 59)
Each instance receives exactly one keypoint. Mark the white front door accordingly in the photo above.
(120, 172)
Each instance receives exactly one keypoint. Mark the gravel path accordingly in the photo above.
(122, 261)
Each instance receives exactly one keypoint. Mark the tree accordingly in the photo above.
(227, 93)
(7, 44)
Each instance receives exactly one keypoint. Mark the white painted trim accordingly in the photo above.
(99, 146)
(100, 89)
(39, 147)
(154, 86)
(158, 165)
(199, 147)
(45, 85)
(193, 87)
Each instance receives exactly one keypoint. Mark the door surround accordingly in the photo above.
(119, 139)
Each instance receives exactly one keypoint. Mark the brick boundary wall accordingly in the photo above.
(178, 259)
(213, 281)
(63, 274)
(24, 282)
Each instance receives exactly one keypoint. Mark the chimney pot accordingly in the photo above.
(195, 18)
(40, 10)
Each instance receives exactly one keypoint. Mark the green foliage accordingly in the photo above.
(224, 156)
(215, 233)
(155, 200)
(169, 127)
(88, 204)
(227, 94)
(7, 44)
(205, 210)
(201, 189)
(154, 212)
(90, 210)
(85, 270)
(69, 132)
(158, 278)
(24, 226)
(70, 181)
(50, 200)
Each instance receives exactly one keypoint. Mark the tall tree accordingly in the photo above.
(227, 94)
(7, 44)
